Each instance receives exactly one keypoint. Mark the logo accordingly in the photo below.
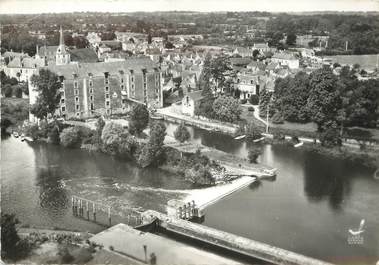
(355, 236)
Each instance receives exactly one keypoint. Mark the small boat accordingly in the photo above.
(240, 137)
(15, 134)
(298, 144)
(258, 140)
(29, 139)
(154, 117)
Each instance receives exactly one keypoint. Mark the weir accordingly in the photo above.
(227, 241)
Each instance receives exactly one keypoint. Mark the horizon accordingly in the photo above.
(25, 7)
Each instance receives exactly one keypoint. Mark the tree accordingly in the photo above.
(252, 132)
(48, 85)
(324, 100)
(149, 38)
(70, 137)
(17, 91)
(152, 152)
(117, 140)
(8, 91)
(227, 109)
(139, 119)
(291, 39)
(199, 175)
(9, 236)
(255, 53)
(100, 123)
(254, 99)
(329, 135)
(181, 133)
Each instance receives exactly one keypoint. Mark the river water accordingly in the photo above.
(308, 208)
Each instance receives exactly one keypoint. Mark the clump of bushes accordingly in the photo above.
(181, 133)
(70, 137)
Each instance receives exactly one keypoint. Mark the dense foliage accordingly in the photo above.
(181, 133)
(139, 119)
(117, 140)
(227, 109)
(152, 152)
(47, 84)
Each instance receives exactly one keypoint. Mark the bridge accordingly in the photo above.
(230, 242)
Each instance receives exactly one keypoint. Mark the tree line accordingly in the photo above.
(333, 102)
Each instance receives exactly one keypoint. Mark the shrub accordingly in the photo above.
(227, 109)
(9, 236)
(65, 255)
(139, 119)
(199, 175)
(243, 101)
(250, 109)
(181, 133)
(277, 118)
(117, 140)
(7, 91)
(70, 137)
(254, 99)
(17, 91)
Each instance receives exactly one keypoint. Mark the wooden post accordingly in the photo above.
(94, 212)
(109, 216)
(87, 208)
(73, 206)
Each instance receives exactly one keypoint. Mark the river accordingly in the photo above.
(308, 209)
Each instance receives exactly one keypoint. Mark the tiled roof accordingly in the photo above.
(26, 62)
(196, 95)
(84, 55)
(98, 69)
(284, 56)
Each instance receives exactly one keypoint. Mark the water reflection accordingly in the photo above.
(323, 180)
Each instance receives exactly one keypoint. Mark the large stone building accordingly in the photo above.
(105, 88)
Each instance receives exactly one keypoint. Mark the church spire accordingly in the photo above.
(61, 38)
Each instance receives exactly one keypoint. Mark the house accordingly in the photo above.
(248, 84)
(244, 52)
(190, 101)
(261, 47)
(284, 58)
(22, 68)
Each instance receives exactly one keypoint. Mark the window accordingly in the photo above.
(90, 83)
(252, 82)
(76, 99)
(122, 87)
(78, 114)
(91, 91)
(122, 80)
(106, 95)
(107, 103)
(106, 81)
(63, 108)
(62, 100)
(76, 91)
(132, 78)
(77, 107)
(92, 107)
(75, 84)
(106, 89)
(62, 94)
(91, 98)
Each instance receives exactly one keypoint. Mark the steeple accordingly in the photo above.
(61, 38)
(62, 56)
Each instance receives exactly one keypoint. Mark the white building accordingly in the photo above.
(288, 59)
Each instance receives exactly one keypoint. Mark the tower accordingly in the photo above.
(62, 56)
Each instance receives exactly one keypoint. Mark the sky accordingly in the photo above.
(60, 6)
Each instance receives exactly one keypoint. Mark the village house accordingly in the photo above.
(190, 101)
(284, 58)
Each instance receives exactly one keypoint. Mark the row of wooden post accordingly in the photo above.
(80, 208)
(186, 211)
